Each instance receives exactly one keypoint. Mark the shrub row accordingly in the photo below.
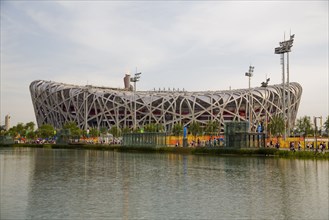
(190, 150)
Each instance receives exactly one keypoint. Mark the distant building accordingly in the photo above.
(7, 122)
(90, 106)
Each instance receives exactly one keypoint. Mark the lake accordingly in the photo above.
(41, 183)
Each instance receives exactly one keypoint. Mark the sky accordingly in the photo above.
(191, 45)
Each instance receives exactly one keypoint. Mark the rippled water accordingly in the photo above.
(86, 184)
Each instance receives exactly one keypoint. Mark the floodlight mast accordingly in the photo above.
(249, 74)
(285, 47)
(265, 84)
(134, 80)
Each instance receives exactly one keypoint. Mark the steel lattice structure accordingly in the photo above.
(89, 106)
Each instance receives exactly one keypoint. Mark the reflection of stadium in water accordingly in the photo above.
(90, 106)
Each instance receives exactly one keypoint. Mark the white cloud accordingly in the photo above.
(191, 45)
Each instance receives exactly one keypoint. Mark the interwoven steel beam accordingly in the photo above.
(89, 106)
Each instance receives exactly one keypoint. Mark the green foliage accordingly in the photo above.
(150, 127)
(13, 132)
(30, 126)
(126, 130)
(136, 130)
(276, 125)
(22, 130)
(103, 130)
(326, 125)
(195, 129)
(49, 146)
(115, 131)
(153, 128)
(84, 133)
(212, 127)
(75, 131)
(232, 151)
(46, 131)
(31, 135)
(177, 129)
(94, 132)
(18, 130)
(304, 126)
(302, 154)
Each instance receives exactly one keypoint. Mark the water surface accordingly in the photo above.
(88, 184)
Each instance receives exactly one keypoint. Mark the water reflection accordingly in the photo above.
(79, 184)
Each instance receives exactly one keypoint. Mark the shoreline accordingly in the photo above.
(216, 151)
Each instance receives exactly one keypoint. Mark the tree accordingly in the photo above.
(3, 131)
(46, 131)
(177, 129)
(304, 126)
(30, 126)
(276, 125)
(125, 130)
(159, 128)
(13, 132)
(153, 127)
(195, 128)
(103, 130)
(20, 128)
(31, 135)
(212, 127)
(326, 125)
(75, 131)
(94, 132)
(150, 127)
(115, 131)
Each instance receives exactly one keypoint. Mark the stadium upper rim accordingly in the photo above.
(93, 106)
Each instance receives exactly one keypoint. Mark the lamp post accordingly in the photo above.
(285, 47)
(316, 130)
(265, 84)
(249, 74)
(85, 97)
(134, 80)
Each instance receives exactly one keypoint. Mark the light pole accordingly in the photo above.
(265, 84)
(316, 130)
(285, 47)
(134, 80)
(249, 74)
(85, 97)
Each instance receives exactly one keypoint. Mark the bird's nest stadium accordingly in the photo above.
(90, 106)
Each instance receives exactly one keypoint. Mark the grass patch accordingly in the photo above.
(303, 154)
(47, 146)
(189, 150)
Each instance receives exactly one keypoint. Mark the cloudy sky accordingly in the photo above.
(194, 45)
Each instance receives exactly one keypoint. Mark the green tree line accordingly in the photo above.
(303, 127)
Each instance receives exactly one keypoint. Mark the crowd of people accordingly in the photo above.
(271, 144)
(322, 146)
(293, 146)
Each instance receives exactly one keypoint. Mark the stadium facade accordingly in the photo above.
(89, 106)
